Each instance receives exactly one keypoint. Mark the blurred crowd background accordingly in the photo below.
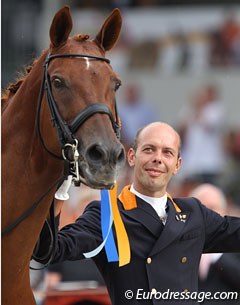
(179, 62)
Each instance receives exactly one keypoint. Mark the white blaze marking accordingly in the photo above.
(88, 62)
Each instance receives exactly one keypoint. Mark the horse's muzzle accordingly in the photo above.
(101, 164)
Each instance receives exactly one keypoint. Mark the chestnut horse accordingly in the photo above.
(62, 112)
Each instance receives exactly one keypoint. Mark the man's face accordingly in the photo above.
(155, 160)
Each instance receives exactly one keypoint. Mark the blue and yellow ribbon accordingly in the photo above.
(122, 237)
(110, 214)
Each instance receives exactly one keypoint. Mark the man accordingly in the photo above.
(218, 272)
(166, 237)
(203, 122)
(134, 112)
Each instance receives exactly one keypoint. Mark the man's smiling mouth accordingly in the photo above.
(154, 172)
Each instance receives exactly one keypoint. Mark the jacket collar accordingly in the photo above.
(144, 213)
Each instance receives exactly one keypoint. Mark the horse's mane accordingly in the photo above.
(12, 88)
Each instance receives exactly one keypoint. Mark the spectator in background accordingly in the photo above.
(231, 176)
(229, 33)
(134, 112)
(225, 43)
(201, 132)
(218, 272)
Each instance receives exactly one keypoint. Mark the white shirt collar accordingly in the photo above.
(158, 203)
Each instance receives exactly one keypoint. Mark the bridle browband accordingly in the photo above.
(65, 131)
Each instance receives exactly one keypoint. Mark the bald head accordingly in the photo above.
(212, 197)
(161, 127)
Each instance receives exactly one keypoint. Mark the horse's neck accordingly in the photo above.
(23, 154)
(27, 168)
(21, 108)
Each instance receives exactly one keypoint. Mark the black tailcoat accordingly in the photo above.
(164, 261)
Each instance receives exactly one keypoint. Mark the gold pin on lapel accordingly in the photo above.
(181, 217)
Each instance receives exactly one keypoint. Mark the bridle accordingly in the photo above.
(65, 131)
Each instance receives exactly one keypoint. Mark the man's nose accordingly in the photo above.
(158, 157)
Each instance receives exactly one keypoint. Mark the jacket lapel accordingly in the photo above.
(146, 215)
(174, 225)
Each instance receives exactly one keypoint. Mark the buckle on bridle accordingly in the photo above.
(74, 164)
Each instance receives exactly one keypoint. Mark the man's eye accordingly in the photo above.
(148, 149)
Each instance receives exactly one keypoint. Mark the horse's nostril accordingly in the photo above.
(121, 155)
(96, 153)
(117, 155)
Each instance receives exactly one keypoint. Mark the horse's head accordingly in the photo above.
(81, 86)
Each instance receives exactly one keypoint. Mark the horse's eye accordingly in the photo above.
(117, 85)
(57, 82)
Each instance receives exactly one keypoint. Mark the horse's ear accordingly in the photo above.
(61, 27)
(109, 33)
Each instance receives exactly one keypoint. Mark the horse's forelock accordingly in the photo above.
(81, 37)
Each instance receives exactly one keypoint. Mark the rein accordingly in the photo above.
(31, 209)
(65, 131)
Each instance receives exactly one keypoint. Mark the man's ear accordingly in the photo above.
(178, 165)
(131, 157)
